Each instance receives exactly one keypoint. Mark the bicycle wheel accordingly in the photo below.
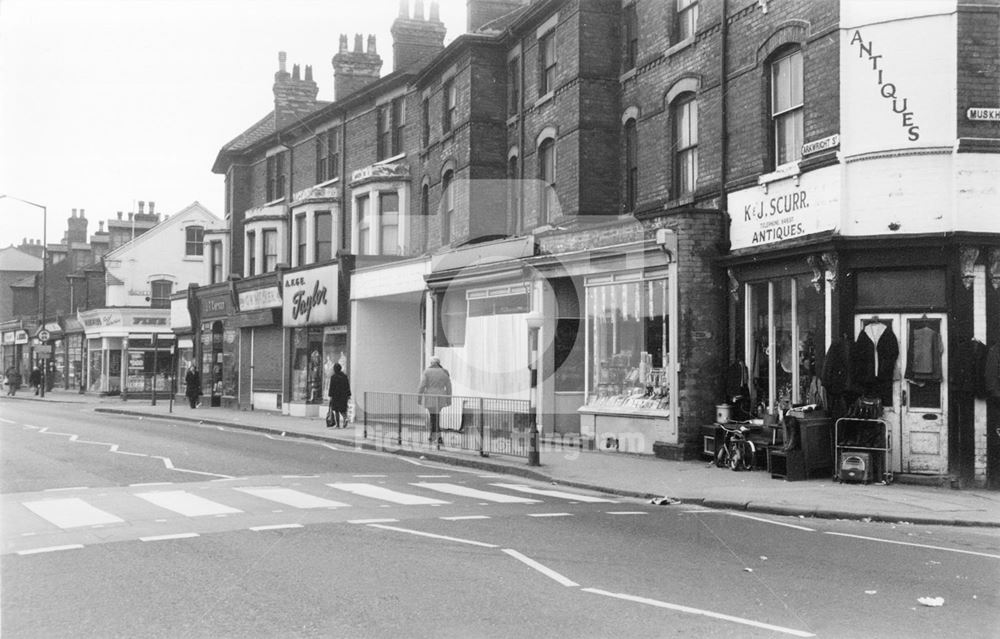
(722, 456)
(742, 456)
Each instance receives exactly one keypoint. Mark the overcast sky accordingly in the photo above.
(108, 102)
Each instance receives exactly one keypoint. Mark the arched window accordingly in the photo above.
(548, 200)
(786, 107)
(631, 165)
(447, 205)
(425, 208)
(514, 195)
(193, 237)
(684, 113)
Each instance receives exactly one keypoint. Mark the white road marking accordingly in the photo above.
(6, 421)
(168, 537)
(56, 490)
(122, 452)
(291, 497)
(549, 515)
(465, 491)
(385, 494)
(766, 521)
(907, 543)
(556, 493)
(187, 504)
(70, 513)
(464, 517)
(548, 572)
(152, 483)
(699, 611)
(627, 512)
(434, 476)
(275, 527)
(299, 476)
(369, 476)
(35, 551)
(410, 461)
(420, 533)
(372, 521)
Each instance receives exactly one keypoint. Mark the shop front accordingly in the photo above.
(314, 314)
(260, 342)
(217, 345)
(182, 324)
(75, 340)
(128, 351)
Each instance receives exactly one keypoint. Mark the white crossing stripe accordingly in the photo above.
(290, 497)
(35, 551)
(556, 493)
(275, 527)
(385, 494)
(549, 515)
(187, 535)
(70, 513)
(464, 517)
(184, 503)
(465, 491)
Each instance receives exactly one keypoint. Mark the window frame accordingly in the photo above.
(215, 270)
(398, 124)
(327, 155)
(447, 204)
(631, 136)
(685, 19)
(386, 220)
(449, 104)
(630, 36)
(194, 247)
(547, 61)
(163, 300)
(425, 122)
(383, 131)
(320, 239)
(276, 178)
(794, 112)
(684, 124)
(301, 244)
(270, 258)
(514, 206)
(547, 164)
(363, 219)
(251, 251)
(514, 86)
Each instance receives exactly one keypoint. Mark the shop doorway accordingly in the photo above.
(918, 412)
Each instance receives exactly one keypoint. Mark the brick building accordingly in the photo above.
(658, 206)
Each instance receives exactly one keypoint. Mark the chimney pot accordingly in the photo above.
(74, 213)
(357, 43)
(119, 215)
(152, 206)
(81, 213)
(404, 8)
(281, 61)
(100, 226)
(371, 45)
(343, 43)
(142, 205)
(295, 72)
(435, 16)
(418, 10)
(309, 73)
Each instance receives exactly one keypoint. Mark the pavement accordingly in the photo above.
(670, 483)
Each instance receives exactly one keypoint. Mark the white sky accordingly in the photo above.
(107, 102)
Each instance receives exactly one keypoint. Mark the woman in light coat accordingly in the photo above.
(435, 394)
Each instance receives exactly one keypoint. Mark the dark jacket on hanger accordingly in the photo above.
(992, 372)
(923, 355)
(970, 368)
(836, 374)
(867, 372)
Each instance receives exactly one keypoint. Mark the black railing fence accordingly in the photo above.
(484, 424)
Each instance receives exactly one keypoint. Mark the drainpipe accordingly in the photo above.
(724, 158)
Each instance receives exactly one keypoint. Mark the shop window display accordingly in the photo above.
(628, 353)
(315, 351)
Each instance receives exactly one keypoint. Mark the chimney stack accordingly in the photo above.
(481, 12)
(293, 96)
(355, 69)
(415, 40)
(76, 227)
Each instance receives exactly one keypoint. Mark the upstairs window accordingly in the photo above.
(364, 226)
(251, 250)
(300, 237)
(425, 209)
(447, 205)
(389, 223)
(686, 19)
(547, 174)
(450, 105)
(324, 236)
(276, 176)
(327, 155)
(384, 140)
(215, 265)
(685, 117)
(786, 108)
(159, 293)
(398, 124)
(425, 123)
(513, 86)
(546, 62)
(270, 240)
(631, 165)
(194, 237)
(630, 32)
(514, 195)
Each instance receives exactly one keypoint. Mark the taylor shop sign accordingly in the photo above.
(786, 209)
(310, 297)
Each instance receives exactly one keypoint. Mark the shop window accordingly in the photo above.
(917, 289)
(270, 241)
(193, 238)
(628, 348)
(364, 225)
(630, 31)
(452, 315)
(631, 165)
(568, 343)
(685, 118)
(300, 240)
(786, 108)
(499, 305)
(389, 223)
(324, 236)
(159, 293)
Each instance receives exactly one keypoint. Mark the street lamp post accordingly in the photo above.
(45, 262)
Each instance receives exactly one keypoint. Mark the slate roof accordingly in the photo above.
(14, 259)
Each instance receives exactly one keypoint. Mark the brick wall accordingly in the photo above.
(978, 66)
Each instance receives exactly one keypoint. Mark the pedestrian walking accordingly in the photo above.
(13, 380)
(340, 397)
(192, 385)
(35, 379)
(435, 394)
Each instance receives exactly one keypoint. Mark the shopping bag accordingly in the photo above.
(330, 418)
(350, 411)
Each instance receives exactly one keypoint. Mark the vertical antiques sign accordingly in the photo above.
(310, 297)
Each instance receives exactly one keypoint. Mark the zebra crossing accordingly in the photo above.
(207, 501)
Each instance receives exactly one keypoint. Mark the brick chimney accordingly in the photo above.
(294, 97)
(353, 70)
(76, 227)
(414, 39)
(481, 12)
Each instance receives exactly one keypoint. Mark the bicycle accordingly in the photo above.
(736, 452)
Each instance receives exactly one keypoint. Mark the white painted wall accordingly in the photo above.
(385, 347)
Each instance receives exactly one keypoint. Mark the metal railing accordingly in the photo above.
(484, 424)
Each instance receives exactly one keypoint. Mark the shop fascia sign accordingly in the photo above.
(113, 319)
(216, 306)
(8, 338)
(310, 297)
(260, 298)
(21, 337)
(785, 209)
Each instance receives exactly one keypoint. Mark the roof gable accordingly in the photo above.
(193, 211)
(14, 259)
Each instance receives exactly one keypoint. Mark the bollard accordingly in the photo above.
(534, 458)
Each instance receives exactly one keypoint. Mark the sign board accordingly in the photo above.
(831, 142)
(311, 296)
(43, 335)
(984, 114)
(21, 337)
(260, 298)
(43, 350)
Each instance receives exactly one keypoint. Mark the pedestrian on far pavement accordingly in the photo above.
(13, 380)
(35, 379)
(340, 396)
(435, 394)
(192, 385)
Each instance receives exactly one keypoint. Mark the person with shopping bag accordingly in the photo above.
(435, 394)
(340, 398)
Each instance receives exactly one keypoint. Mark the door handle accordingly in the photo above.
(902, 399)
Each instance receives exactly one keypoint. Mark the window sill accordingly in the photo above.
(194, 258)
(628, 75)
(545, 98)
(784, 171)
(280, 200)
(679, 202)
(329, 182)
(680, 46)
(512, 120)
(390, 160)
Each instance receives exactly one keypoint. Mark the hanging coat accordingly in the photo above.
(992, 372)
(923, 355)
(836, 374)
(875, 358)
(970, 368)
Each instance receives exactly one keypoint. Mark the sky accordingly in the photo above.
(104, 103)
